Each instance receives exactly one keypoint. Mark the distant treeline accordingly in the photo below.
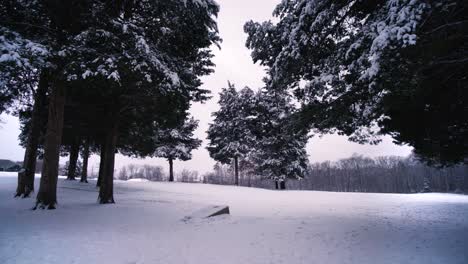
(388, 174)
(361, 174)
(154, 173)
(13, 166)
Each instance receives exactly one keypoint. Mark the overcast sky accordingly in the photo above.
(233, 63)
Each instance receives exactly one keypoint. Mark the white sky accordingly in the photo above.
(233, 63)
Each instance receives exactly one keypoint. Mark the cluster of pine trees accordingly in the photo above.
(100, 76)
(255, 131)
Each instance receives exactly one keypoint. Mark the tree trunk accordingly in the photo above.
(446, 178)
(106, 191)
(276, 185)
(427, 181)
(171, 170)
(47, 195)
(74, 153)
(101, 164)
(283, 185)
(84, 170)
(236, 170)
(26, 179)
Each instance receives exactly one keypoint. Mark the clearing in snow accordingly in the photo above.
(146, 226)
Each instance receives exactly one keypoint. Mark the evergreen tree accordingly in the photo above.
(400, 65)
(177, 144)
(230, 136)
(23, 81)
(280, 148)
(45, 27)
(146, 52)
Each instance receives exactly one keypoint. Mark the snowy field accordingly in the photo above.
(146, 226)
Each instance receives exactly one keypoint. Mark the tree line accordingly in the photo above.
(386, 174)
(155, 173)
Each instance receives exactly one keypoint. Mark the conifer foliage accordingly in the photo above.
(177, 144)
(280, 150)
(358, 65)
(230, 135)
(110, 66)
(257, 128)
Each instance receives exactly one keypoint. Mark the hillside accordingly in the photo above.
(6, 164)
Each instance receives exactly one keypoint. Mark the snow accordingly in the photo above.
(145, 226)
(137, 180)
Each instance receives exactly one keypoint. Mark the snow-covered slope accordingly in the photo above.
(146, 226)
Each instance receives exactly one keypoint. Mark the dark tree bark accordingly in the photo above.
(74, 152)
(26, 179)
(282, 185)
(171, 170)
(106, 190)
(236, 170)
(276, 185)
(427, 181)
(101, 164)
(47, 195)
(84, 170)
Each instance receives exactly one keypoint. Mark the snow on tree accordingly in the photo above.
(177, 143)
(136, 56)
(23, 51)
(151, 54)
(350, 61)
(40, 27)
(279, 152)
(230, 135)
(20, 64)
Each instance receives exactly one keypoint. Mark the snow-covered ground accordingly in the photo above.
(146, 226)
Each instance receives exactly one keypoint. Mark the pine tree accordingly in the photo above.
(22, 75)
(133, 51)
(280, 148)
(356, 65)
(177, 144)
(230, 136)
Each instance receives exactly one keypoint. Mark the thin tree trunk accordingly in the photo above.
(47, 195)
(84, 170)
(236, 170)
(427, 181)
(276, 185)
(101, 164)
(26, 179)
(74, 153)
(171, 170)
(447, 185)
(106, 192)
